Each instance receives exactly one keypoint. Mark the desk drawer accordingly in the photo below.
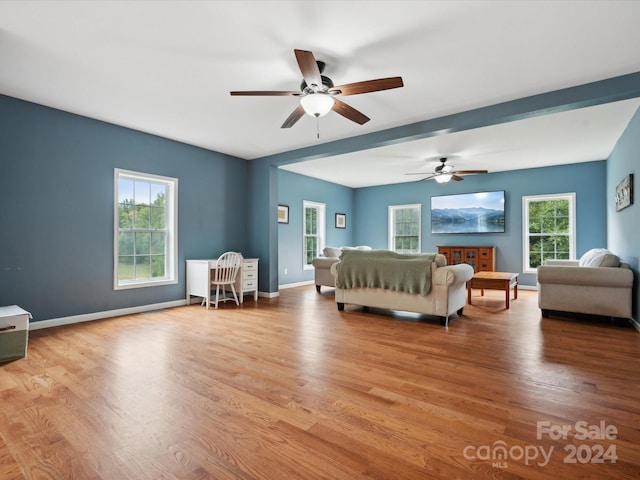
(249, 275)
(249, 266)
(249, 284)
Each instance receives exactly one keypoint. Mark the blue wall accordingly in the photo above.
(623, 227)
(588, 180)
(292, 190)
(261, 218)
(56, 208)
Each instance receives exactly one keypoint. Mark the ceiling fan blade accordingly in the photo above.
(456, 178)
(294, 117)
(369, 86)
(268, 93)
(427, 178)
(349, 112)
(469, 172)
(308, 67)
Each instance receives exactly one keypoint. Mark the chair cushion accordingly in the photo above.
(599, 257)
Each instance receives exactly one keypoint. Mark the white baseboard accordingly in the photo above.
(57, 322)
(527, 287)
(87, 317)
(293, 285)
(635, 323)
(268, 294)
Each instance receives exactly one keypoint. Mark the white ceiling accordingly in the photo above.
(167, 68)
(582, 135)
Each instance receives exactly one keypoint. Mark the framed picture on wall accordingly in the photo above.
(341, 220)
(624, 193)
(283, 213)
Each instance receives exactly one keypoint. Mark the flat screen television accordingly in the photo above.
(481, 212)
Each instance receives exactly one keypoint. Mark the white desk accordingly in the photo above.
(199, 279)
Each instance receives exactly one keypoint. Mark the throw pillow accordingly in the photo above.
(599, 257)
(331, 252)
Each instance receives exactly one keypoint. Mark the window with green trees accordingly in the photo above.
(549, 229)
(314, 231)
(404, 228)
(145, 229)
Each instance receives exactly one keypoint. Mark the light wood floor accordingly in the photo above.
(290, 388)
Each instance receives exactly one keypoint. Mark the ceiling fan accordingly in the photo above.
(444, 173)
(318, 94)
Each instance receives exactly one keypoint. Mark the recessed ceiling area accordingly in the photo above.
(581, 135)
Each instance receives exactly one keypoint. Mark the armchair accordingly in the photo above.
(597, 284)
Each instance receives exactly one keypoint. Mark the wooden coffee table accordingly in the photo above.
(494, 281)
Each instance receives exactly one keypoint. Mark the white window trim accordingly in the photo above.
(172, 227)
(321, 228)
(525, 224)
(391, 226)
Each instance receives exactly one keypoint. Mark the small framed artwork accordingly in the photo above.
(341, 220)
(624, 193)
(283, 213)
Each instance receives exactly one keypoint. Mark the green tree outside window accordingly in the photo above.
(549, 232)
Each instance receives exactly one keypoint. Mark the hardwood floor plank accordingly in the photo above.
(9, 467)
(292, 388)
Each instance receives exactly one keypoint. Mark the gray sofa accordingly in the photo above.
(322, 265)
(447, 294)
(597, 284)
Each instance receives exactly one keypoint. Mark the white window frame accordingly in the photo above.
(321, 228)
(171, 229)
(526, 200)
(391, 230)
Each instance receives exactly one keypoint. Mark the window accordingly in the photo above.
(548, 229)
(313, 234)
(145, 231)
(404, 228)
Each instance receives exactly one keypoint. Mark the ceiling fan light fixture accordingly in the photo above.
(444, 178)
(317, 104)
